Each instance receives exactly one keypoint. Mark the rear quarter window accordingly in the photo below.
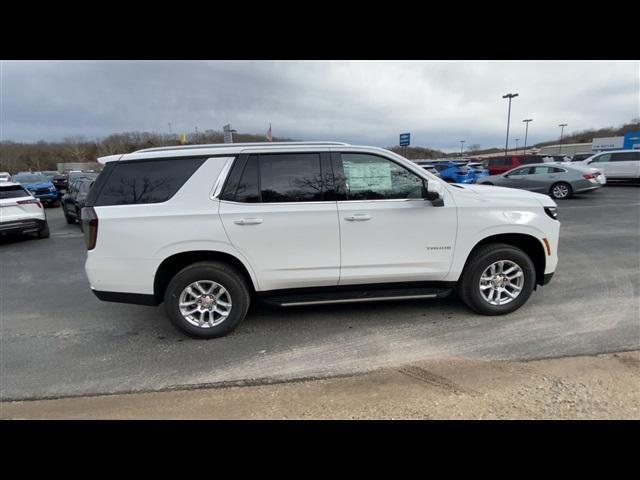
(142, 181)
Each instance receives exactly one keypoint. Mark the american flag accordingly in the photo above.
(269, 137)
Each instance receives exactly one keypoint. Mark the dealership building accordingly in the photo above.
(630, 140)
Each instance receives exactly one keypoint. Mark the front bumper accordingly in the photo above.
(48, 197)
(19, 227)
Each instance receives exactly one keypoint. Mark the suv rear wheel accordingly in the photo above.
(207, 299)
(498, 279)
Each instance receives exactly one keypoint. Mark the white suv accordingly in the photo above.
(206, 229)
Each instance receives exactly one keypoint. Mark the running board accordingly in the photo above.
(354, 296)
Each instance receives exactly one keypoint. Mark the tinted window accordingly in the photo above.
(625, 156)
(602, 158)
(530, 159)
(140, 181)
(248, 186)
(293, 177)
(369, 177)
(13, 191)
(84, 187)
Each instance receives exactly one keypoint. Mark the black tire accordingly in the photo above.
(468, 287)
(70, 220)
(221, 273)
(44, 231)
(553, 194)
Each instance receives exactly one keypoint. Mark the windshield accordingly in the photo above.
(30, 178)
(13, 191)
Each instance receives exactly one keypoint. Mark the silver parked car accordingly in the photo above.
(559, 181)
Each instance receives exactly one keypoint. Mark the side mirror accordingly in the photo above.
(433, 192)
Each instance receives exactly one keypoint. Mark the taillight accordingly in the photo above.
(590, 176)
(30, 201)
(90, 226)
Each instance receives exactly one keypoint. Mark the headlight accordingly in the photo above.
(52, 189)
(552, 212)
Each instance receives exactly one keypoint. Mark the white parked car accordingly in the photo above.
(5, 176)
(207, 229)
(20, 212)
(616, 164)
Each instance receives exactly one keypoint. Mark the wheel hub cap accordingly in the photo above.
(205, 303)
(501, 282)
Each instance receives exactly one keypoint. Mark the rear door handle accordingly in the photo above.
(358, 217)
(248, 221)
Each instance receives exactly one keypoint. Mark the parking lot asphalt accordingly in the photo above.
(57, 339)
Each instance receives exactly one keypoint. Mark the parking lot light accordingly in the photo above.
(524, 149)
(509, 96)
(562, 125)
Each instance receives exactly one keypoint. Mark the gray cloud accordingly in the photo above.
(367, 102)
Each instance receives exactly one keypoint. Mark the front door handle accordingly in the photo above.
(358, 217)
(248, 221)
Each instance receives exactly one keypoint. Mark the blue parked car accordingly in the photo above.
(40, 187)
(480, 169)
(454, 173)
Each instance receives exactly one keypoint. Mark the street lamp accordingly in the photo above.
(524, 149)
(509, 96)
(562, 125)
(517, 139)
(169, 128)
(461, 147)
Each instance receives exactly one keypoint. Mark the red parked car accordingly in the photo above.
(498, 165)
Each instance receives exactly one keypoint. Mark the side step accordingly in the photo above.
(352, 296)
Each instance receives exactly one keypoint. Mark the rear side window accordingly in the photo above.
(625, 156)
(142, 181)
(290, 178)
(504, 161)
(13, 191)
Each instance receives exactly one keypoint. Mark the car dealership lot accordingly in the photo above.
(57, 339)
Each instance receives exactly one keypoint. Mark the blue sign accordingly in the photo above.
(405, 139)
(631, 140)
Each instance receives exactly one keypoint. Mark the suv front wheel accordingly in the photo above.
(498, 279)
(207, 299)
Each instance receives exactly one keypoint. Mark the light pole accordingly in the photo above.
(196, 134)
(562, 125)
(169, 128)
(461, 147)
(524, 149)
(517, 139)
(509, 96)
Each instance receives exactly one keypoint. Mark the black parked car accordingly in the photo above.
(61, 182)
(73, 200)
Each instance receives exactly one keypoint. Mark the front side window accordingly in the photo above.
(602, 158)
(520, 171)
(370, 177)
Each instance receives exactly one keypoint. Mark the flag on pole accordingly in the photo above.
(269, 136)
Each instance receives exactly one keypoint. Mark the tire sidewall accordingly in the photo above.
(513, 254)
(231, 282)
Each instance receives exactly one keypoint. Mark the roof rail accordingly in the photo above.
(228, 145)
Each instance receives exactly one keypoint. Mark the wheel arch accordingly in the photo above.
(529, 244)
(176, 262)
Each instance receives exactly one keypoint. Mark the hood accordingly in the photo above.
(505, 192)
(37, 185)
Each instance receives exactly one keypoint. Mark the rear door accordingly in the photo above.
(388, 232)
(625, 164)
(279, 210)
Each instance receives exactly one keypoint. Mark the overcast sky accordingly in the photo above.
(362, 102)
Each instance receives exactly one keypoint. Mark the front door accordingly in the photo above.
(277, 211)
(388, 232)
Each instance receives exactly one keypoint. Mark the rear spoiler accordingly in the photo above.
(109, 158)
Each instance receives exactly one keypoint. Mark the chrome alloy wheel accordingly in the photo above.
(501, 282)
(205, 304)
(560, 191)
